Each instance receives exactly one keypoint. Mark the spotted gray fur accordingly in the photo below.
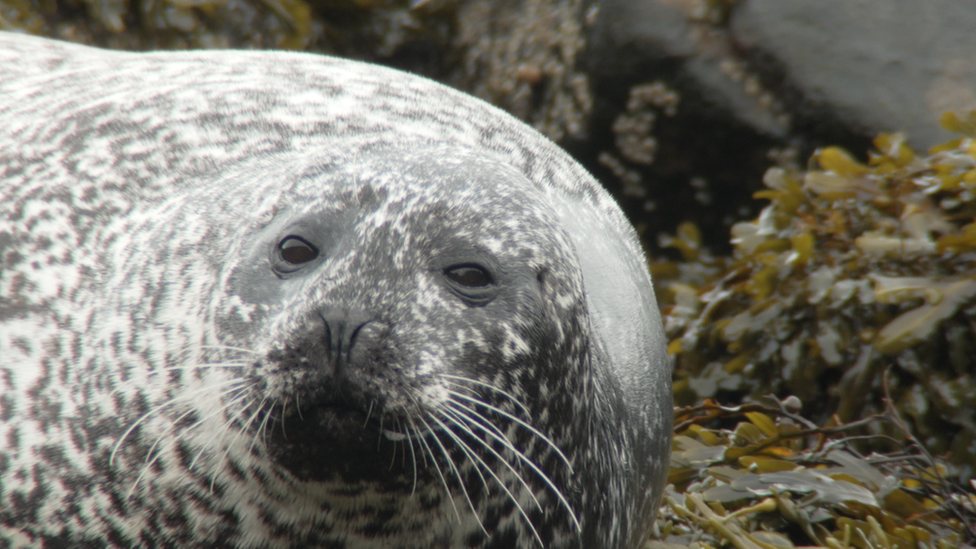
(163, 383)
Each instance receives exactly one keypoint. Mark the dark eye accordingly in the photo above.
(469, 276)
(296, 250)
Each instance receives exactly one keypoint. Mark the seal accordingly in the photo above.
(268, 299)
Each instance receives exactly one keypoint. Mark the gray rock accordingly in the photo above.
(878, 65)
(756, 77)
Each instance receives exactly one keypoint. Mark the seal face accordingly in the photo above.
(258, 299)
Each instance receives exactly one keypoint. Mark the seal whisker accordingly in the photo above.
(206, 366)
(472, 417)
(454, 468)
(369, 412)
(159, 408)
(231, 348)
(298, 408)
(406, 440)
(247, 426)
(507, 444)
(245, 403)
(262, 430)
(240, 397)
(393, 455)
(447, 491)
(412, 432)
(488, 386)
(539, 472)
(420, 435)
(379, 436)
(150, 457)
(284, 414)
(505, 488)
(528, 426)
(465, 447)
(241, 404)
(237, 418)
(467, 452)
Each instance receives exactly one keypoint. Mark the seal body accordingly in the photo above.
(260, 299)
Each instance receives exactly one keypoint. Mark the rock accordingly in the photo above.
(759, 77)
(711, 152)
(874, 65)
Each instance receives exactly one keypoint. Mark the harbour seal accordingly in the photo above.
(267, 299)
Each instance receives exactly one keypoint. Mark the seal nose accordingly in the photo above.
(342, 328)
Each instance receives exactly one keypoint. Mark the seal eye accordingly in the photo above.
(471, 282)
(469, 276)
(295, 250)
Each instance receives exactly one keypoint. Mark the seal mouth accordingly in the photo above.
(346, 421)
(335, 437)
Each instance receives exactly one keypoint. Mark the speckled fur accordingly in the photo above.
(151, 365)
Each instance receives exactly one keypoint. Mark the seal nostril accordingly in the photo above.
(355, 334)
(342, 329)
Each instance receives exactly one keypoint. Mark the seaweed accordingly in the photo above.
(776, 480)
(851, 269)
(365, 29)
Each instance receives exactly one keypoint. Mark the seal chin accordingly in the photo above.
(315, 444)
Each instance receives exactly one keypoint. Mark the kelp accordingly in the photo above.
(773, 479)
(851, 269)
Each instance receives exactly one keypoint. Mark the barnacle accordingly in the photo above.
(852, 269)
